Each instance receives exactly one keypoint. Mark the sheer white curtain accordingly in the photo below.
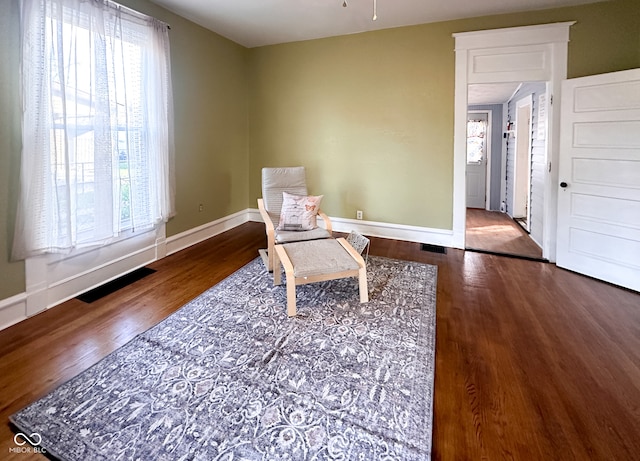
(97, 153)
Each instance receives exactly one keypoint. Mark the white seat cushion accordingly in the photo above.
(297, 236)
(319, 257)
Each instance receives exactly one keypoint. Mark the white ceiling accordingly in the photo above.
(490, 93)
(253, 23)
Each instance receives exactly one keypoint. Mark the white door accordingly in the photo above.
(599, 172)
(522, 166)
(477, 130)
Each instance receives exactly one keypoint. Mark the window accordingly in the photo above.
(97, 127)
(476, 141)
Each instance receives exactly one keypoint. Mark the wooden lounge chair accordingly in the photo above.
(275, 181)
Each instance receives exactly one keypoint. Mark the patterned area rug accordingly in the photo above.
(230, 377)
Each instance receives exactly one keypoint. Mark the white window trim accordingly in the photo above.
(54, 278)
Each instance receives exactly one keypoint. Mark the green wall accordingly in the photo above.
(371, 115)
(368, 115)
(210, 94)
(11, 274)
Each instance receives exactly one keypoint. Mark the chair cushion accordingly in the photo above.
(299, 212)
(320, 257)
(300, 236)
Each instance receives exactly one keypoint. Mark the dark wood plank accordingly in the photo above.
(532, 362)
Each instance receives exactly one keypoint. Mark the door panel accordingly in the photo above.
(509, 64)
(475, 186)
(612, 172)
(599, 195)
(477, 165)
(607, 134)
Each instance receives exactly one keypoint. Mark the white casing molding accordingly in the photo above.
(517, 54)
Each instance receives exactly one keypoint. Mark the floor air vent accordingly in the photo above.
(114, 285)
(434, 248)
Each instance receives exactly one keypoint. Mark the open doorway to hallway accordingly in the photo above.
(500, 218)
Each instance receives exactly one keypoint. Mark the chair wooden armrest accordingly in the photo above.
(271, 236)
(265, 217)
(327, 221)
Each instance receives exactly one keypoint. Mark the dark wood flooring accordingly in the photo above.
(496, 232)
(532, 362)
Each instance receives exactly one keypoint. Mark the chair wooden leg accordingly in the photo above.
(363, 287)
(276, 268)
(270, 256)
(291, 295)
(281, 257)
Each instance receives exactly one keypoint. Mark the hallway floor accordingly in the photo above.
(495, 232)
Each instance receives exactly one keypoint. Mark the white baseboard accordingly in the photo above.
(23, 305)
(441, 237)
(428, 235)
(201, 233)
(13, 310)
(64, 290)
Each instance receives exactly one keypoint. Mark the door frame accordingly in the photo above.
(487, 165)
(518, 185)
(534, 53)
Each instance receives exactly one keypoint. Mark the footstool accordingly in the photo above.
(317, 261)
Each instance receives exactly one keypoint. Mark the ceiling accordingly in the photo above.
(253, 23)
(490, 93)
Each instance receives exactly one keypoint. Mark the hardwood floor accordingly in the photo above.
(496, 232)
(532, 362)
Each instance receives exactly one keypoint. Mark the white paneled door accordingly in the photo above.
(477, 145)
(599, 172)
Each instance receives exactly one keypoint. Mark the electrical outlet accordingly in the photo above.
(201, 208)
(359, 214)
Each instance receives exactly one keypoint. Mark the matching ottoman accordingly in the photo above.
(317, 261)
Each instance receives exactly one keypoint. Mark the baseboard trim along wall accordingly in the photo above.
(394, 231)
(428, 235)
(13, 310)
(37, 299)
(201, 233)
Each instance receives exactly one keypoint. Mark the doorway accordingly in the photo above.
(534, 53)
(490, 225)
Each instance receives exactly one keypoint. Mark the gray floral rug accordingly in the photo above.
(230, 377)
